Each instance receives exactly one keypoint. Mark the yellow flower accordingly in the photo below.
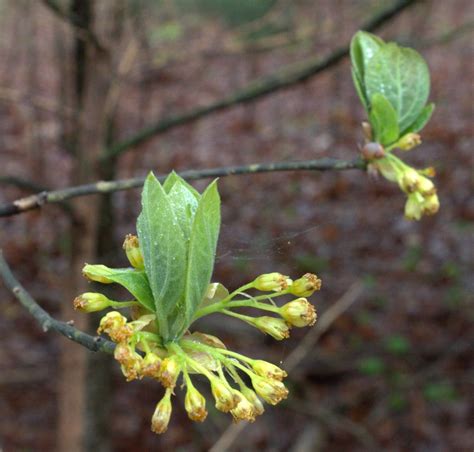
(133, 252)
(224, 397)
(268, 370)
(272, 282)
(93, 276)
(305, 286)
(115, 325)
(151, 365)
(299, 313)
(244, 411)
(277, 328)
(161, 416)
(272, 391)
(169, 371)
(409, 141)
(195, 404)
(250, 395)
(91, 302)
(130, 361)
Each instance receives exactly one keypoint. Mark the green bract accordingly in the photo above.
(393, 84)
(178, 230)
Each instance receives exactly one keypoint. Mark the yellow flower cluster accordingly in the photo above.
(420, 190)
(141, 351)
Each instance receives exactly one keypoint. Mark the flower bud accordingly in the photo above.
(306, 285)
(130, 361)
(413, 209)
(250, 395)
(431, 205)
(169, 371)
(426, 187)
(367, 130)
(272, 282)
(277, 328)
(151, 365)
(410, 180)
(115, 325)
(225, 400)
(91, 302)
(195, 404)
(272, 391)
(133, 252)
(244, 411)
(268, 370)
(91, 275)
(409, 141)
(161, 416)
(299, 313)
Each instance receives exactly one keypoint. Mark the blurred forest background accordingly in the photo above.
(95, 90)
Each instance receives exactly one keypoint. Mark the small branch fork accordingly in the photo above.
(93, 343)
(49, 197)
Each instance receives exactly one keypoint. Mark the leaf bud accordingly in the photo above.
(272, 282)
(299, 313)
(195, 404)
(372, 151)
(305, 286)
(133, 252)
(161, 416)
(277, 328)
(409, 141)
(91, 302)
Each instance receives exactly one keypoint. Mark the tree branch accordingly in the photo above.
(83, 32)
(49, 197)
(93, 343)
(288, 76)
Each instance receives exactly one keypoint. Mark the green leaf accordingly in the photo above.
(363, 47)
(184, 204)
(359, 86)
(135, 281)
(384, 120)
(402, 76)
(202, 250)
(164, 251)
(421, 121)
(172, 178)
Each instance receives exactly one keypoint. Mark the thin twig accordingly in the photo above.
(82, 32)
(49, 197)
(297, 355)
(44, 319)
(286, 77)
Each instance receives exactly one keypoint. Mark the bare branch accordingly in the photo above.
(93, 343)
(288, 76)
(82, 32)
(50, 197)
